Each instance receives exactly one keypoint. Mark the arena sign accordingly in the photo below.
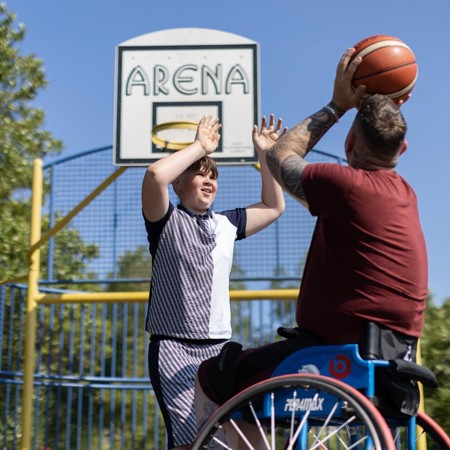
(165, 81)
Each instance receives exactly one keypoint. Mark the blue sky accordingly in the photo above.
(300, 45)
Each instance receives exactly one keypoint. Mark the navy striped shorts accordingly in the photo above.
(173, 365)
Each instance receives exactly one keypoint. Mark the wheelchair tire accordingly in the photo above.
(437, 438)
(352, 420)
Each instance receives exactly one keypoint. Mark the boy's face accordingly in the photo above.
(196, 190)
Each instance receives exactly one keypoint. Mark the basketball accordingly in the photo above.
(388, 67)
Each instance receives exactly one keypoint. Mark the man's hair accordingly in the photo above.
(382, 124)
(204, 166)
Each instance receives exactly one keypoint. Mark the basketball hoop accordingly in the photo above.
(167, 145)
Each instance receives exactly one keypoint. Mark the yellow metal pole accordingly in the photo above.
(140, 297)
(422, 440)
(31, 312)
(265, 294)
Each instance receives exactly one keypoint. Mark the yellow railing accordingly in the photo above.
(36, 298)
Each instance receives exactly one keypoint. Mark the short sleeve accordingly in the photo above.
(238, 217)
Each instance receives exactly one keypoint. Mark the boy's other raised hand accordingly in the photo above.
(266, 136)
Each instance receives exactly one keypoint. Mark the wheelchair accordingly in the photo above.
(324, 398)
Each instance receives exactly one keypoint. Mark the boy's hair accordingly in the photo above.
(381, 122)
(204, 166)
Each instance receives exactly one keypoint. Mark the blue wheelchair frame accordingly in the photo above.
(328, 387)
(341, 362)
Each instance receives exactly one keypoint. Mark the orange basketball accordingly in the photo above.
(388, 67)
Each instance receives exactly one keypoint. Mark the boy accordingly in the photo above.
(192, 251)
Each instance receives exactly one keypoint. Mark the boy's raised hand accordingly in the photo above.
(266, 136)
(208, 133)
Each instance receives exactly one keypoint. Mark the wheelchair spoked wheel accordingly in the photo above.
(436, 437)
(296, 412)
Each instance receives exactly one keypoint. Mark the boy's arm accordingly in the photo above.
(158, 176)
(262, 214)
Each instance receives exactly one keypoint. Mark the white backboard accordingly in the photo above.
(179, 75)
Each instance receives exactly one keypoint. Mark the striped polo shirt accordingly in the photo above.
(191, 265)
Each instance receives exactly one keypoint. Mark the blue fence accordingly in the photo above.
(92, 389)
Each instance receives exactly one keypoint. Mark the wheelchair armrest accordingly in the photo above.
(413, 371)
(287, 333)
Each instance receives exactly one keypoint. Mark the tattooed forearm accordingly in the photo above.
(291, 175)
(285, 158)
(273, 162)
(304, 136)
(319, 124)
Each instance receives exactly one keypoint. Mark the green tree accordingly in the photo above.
(435, 347)
(132, 265)
(22, 139)
(71, 257)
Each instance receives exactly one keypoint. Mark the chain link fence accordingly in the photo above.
(91, 384)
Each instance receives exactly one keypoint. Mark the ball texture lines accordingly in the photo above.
(388, 67)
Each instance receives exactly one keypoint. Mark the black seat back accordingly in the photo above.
(396, 389)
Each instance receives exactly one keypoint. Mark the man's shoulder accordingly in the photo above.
(325, 168)
(328, 172)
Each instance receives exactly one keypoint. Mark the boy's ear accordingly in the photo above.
(176, 184)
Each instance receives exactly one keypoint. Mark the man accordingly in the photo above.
(367, 259)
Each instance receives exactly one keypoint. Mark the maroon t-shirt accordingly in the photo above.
(367, 259)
